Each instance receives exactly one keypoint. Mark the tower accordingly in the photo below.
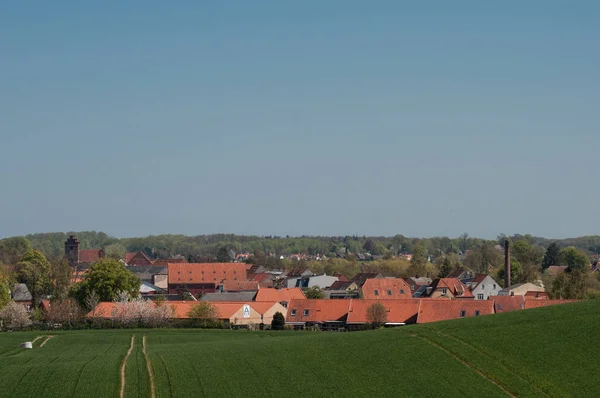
(72, 251)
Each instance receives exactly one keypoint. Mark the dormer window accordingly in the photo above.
(376, 292)
(293, 313)
(389, 292)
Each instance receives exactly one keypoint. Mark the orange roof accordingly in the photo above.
(237, 286)
(103, 310)
(457, 288)
(536, 295)
(320, 310)
(386, 288)
(398, 311)
(544, 303)
(90, 256)
(180, 308)
(434, 310)
(287, 294)
(508, 303)
(137, 258)
(181, 273)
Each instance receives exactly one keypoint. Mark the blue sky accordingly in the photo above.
(315, 117)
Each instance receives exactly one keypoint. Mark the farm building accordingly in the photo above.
(200, 278)
(325, 314)
(508, 303)
(520, 289)
(398, 312)
(434, 310)
(282, 296)
(386, 289)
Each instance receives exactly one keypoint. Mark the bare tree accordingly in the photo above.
(377, 315)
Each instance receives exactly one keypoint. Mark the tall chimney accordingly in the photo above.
(506, 263)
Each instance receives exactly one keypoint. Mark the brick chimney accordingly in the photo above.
(506, 263)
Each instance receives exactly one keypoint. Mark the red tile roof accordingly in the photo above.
(315, 311)
(455, 286)
(280, 295)
(398, 311)
(434, 310)
(508, 303)
(138, 258)
(225, 309)
(91, 255)
(479, 278)
(532, 295)
(239, 286)
(182, 273)
(386, 288)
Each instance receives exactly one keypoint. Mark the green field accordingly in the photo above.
(550, 351)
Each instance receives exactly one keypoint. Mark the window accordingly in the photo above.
(443, 290)
(499, 306)
(477, 313)
(494, 285)
(376, 292)
(463, 313)
(389, 292)
(480, 296)
(401, 291)
(483, 286)
(293, 313)
(306, 312)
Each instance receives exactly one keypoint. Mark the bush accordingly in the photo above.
(278, 322)
(14, 317)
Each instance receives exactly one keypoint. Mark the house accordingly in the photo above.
(434, 310)
(321, 281)
(520, 289)
(20, 294)
(76, 256)
(200, 278)
(282, 296)
(340, 294)
(508, 303)
(268, 309)
(398, 312)
(294, 275)
(386, 289)
(535, 295)
(138, 258)
(239, 286)
(156, 275)
(235, 314)
(483, 286)
(460, 273)
(164, 262)
(346, 286)
(416, 283)
(362, 277)
(229, 296)
(321, 313)
(448, 288)
(147, 288)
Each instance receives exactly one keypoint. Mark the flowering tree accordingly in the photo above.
(14, 316)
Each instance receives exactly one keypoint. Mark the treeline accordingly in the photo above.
(207, 246)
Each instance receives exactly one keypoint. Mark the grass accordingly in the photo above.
(541, 352)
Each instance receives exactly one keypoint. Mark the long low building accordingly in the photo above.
(237, 313)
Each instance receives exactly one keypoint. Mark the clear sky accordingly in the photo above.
(300, 117)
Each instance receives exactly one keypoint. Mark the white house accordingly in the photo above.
(483, 286)
(520, 289)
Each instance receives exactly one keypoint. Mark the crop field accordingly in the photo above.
(543, 352)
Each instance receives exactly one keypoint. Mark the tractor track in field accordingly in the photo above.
(498, 362)
(45, 341)
(466, 364)
(149, 367)
(123, 365)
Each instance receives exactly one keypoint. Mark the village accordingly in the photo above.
(249, 296)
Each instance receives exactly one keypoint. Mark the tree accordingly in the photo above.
(12, 250)
(418, 263)
(204, 314)
(516, 272)
(446, 267)
(223, 255)
(313, 293)
(116, 251)
(278, 322)
(552, 255)
(14, 316)
(574, 258)
(35, 272)
(369, 245)
(530, 257)
(377, 315)
(484, 257)
(60, 274)
(4, 288)
(108, 278)
(463, 242)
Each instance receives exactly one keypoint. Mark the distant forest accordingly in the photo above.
(203, 247)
